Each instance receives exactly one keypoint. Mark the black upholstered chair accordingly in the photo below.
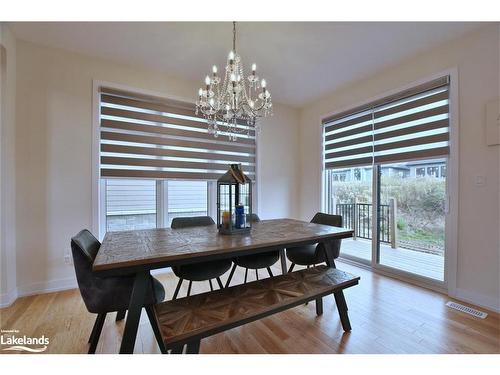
(315, 254)
(254, 261)
(110, 294)
(198, 271)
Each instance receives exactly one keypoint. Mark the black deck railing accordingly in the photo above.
(358, 216)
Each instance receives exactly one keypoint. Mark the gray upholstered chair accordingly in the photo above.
(110, 294)
(255, 261)
(198, 271)
(315, 254)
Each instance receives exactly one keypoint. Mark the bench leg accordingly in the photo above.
(291, 267)
(156, 329)
(177, 349)
(342, 308)
(211, 286)
(120, 315)
(193, 347)
(319, 306)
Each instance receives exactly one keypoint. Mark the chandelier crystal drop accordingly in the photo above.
(231, 103)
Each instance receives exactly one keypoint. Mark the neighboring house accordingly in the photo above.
(419, 168)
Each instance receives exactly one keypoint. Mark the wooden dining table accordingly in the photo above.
(137, 252)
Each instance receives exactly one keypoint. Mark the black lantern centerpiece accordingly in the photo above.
(234, 201)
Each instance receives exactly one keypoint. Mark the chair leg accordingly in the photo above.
(291, 267)
(193, 347)
(219, 281)
(177, 349)
(246, 274)
(257, 274)
(211, 286)
(99, 322)
(189, 288)
(177, 288)
(307, 266)
(156, 329)
(120, 315)
(231, 275)
(319, 306)
(270, 272)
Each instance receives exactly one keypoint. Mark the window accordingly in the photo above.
(130, 204)
(420, 172)
(158, 161)
(433, 171)
(187, 198)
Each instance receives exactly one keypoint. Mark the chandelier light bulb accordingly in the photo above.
(200, 92)
(207, 80)
(263, 84)
(212, 102)
(231, 56)
(254, 68)
(214, 69)
(233, 77)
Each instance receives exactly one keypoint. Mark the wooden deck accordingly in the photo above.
(420, 263)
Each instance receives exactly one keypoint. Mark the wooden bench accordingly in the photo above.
(186, 321)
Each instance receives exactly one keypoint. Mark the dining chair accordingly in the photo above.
(104, 295)
(309, 255)
(254, 261)
(206, 271)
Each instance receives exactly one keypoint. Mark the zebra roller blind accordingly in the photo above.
(148, 137)
(409, 125)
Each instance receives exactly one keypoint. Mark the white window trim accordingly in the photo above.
(452, 168)
(99, 187)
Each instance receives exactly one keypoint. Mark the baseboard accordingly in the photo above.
(47, 287)
(51, 286)
(7, 299)
(477, 299)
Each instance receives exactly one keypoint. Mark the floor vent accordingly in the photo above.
(466, 309)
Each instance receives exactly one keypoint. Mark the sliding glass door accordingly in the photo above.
(385, 173)
(411, 217)
(350, 195)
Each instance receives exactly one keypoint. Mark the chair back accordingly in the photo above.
(84, 248)
(193, 221)
(334, 221)
(327, 219)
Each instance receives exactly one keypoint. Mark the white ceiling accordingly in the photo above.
(301, 61)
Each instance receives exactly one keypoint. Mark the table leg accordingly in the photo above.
(141, 282)
(328, 255)
(283, 261)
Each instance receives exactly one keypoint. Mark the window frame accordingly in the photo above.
(98, 222)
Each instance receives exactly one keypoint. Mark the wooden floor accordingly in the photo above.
(387, 316)
(417, 262)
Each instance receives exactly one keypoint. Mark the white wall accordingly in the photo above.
(477, 58)
(7, 166)
(53, 156)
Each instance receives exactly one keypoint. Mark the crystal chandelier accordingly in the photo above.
(232, 104)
